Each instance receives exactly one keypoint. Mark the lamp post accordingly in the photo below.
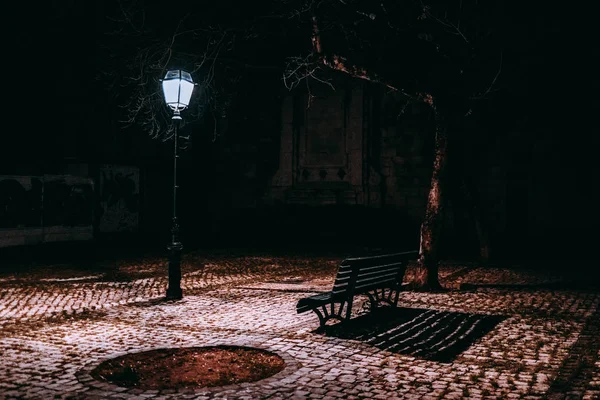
(177, 88)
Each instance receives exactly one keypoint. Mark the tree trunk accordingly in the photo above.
(426, 275)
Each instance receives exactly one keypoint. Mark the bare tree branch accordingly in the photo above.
(339, 63)
(451, 27)
(316, 37)
(216, 65)
(490, 88)
(303, 68)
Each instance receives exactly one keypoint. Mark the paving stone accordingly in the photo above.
(50, 333)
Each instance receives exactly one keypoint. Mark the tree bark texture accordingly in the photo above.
(426, 274)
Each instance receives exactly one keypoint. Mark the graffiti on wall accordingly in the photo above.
(119, 198)
(20, 201)
(49, 208)
(68, 201)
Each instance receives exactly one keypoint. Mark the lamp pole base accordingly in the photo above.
(174, 291)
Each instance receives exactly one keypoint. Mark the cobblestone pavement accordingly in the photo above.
(54, 331)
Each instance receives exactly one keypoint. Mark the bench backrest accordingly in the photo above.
(362, 274)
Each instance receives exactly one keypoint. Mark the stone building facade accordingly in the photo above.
(353, 147)
(361, 149)
(331, 153)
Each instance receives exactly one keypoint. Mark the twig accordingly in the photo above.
(489, 89)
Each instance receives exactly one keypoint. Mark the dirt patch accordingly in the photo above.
(191, 367)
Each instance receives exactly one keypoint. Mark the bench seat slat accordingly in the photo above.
(390, 283)
(379, 278)
(341, 285)
(392, 275)
(361, 275)
(375, 268)
(404, 256)
(308, 303)
(346, 275)
(365, 275)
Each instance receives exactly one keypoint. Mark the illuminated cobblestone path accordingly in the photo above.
(53, 331)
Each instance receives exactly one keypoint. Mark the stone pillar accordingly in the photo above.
(354, 141)
(282, 179)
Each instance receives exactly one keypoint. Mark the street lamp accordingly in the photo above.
(177, 87)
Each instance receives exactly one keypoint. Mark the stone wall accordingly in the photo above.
(383, 161)
(350, 147)
(406, 138)
(321, 152)
(43, 209)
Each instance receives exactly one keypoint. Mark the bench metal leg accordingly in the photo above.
(325, 314)
(396, 296)
(349, 309)
(389, 296)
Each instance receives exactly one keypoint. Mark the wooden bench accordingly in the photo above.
(379, 277)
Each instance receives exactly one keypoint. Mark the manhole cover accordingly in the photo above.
(190, 367)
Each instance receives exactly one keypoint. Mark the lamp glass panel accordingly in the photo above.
(185, 94)
(171, 92)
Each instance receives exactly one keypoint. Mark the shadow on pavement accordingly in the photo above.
(430, 334)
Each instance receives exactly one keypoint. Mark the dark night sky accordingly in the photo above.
(550, 86)
(53, 50)
(57, 49)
